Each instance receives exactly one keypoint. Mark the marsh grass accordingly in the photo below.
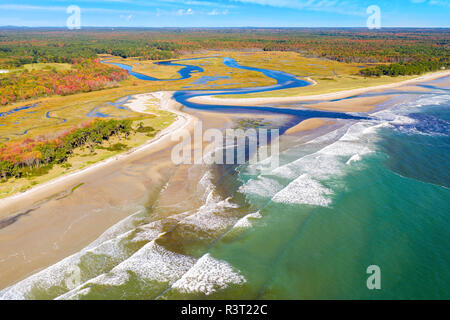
(57, 113)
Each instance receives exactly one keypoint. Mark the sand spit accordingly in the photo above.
(327, 96)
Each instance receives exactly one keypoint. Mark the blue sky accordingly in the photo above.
(227, 13)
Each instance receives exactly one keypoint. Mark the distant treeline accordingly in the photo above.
(34, 157)
(404, 69)
(402, 46)
(14, 54)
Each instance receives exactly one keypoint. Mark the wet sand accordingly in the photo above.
(328, 96)
(57, 222)
(365, 104)
(309, 124)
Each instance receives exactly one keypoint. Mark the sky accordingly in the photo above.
(225, 13)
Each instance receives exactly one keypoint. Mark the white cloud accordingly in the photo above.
(216, 12)
(30, 7)
(442, 3)
(183, 12)
(198, 3)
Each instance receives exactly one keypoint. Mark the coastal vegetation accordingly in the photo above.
(18, 47)
(31, 82)
(143, 128)
(46, 65)
(403, 69)
(22, 46)
(51, 61)
(35, 156)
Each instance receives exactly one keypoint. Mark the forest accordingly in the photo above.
(396, 51)
(32, 157)
(85, 76)
(22, 46)
(404, 69)
(387, 52)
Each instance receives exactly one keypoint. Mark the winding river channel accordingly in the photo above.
(367, 189)
(284, 81)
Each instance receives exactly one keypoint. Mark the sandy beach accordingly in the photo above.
(52, 221)
(308, 124)
(364, 104)
(327, 96)
(138, 104)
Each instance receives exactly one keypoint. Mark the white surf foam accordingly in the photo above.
(262, 187)
(246, 222)
(108, 245)
(152, 262)
(304, 190)
(209, 217)
(354, 158)
(207, 276)
(307, 173)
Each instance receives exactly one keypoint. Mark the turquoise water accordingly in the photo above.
(301, 252)
(372, 191)
(390, 208)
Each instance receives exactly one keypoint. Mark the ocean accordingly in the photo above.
(366, 192)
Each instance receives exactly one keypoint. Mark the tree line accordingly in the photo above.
(34, 48)
(404, 69)
(19, 46)
(36, 156)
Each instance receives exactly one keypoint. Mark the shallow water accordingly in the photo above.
(374, 196)
(371, 191)
(284, 81)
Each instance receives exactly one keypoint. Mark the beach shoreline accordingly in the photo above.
(60, 217)
(104, 200)
(184, 119)
(138, 105)
(211, 99)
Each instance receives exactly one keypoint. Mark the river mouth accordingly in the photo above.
(283, 79)
(210, 232)
(304, 230)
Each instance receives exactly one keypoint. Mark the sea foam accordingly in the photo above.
(307, 174)
(108, 248)
(207, 276)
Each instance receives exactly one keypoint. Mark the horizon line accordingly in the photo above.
(236, 27)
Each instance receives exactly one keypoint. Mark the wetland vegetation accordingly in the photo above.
(55, 81)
